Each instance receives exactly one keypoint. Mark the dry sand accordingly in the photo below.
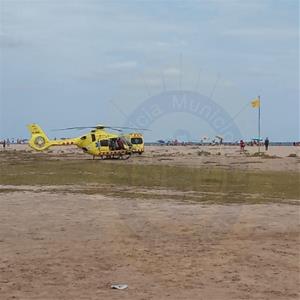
(275, 159)
(70, 246)
(62, 245)
(229, 157)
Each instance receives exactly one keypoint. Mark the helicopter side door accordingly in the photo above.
(103, 145)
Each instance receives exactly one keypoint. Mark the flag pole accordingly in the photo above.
(259, 125)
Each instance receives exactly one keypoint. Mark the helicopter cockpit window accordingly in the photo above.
(136, 141)
(83, 137)
(104, 143)
(93, 137)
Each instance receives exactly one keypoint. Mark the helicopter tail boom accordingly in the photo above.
(39, 140)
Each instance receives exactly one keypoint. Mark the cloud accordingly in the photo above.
(172, 72)
(237, 4)
(122, 65)
(162, 44)
(110, 70)
(269, 33)
(146, 82)
(173, 42)
(9, 42)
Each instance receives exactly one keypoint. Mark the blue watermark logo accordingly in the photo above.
(190, 102)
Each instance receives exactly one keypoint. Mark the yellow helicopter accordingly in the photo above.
(97, 142)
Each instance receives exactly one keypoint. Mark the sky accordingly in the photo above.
(66, 63)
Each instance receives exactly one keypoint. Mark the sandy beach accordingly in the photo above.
(65, 240)
(277, 158)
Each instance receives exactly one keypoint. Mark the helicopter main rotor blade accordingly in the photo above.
(117, 128)
(71, 128)
(132, 128)
(112, 128)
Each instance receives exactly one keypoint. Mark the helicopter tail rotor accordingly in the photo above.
(39, 140)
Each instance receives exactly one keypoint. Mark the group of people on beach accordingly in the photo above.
(243, 144)
(6, 142)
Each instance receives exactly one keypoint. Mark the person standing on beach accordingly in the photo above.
(242, 146)
(267, 142)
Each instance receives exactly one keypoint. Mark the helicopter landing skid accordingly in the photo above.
(124, 155)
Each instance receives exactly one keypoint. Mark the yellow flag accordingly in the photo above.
(255, 103)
